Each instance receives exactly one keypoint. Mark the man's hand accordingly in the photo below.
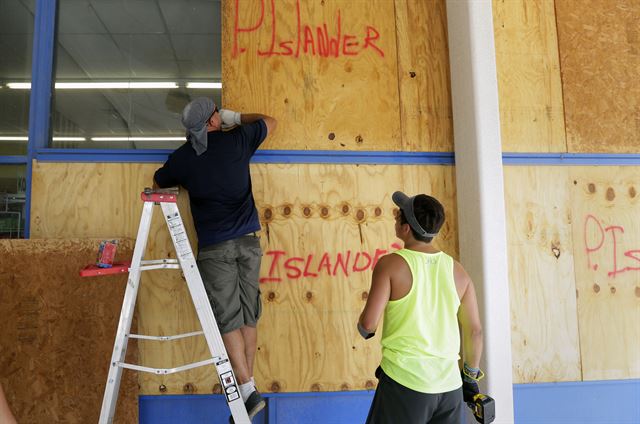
(229, 118)
(469, 390)
(470, 377)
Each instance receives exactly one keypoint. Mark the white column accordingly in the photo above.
(480, 187)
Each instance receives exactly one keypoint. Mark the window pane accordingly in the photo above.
(16, 40)
(165, 43)
(12, 200)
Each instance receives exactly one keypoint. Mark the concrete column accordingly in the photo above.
(480, 187)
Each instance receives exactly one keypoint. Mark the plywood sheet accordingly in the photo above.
(600, 57)
(605, 210)
(544, 321)
(326, 70)
(105, 199)
(58, 332)
(529, 83)
(307, 337)
(423, 76)
(308, 340)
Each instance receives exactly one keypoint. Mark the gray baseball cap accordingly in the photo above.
(405, 203)
(194, 118)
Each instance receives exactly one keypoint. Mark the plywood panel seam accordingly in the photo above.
(399, 79)
(564, 113)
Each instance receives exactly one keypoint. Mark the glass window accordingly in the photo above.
(16, 40)
(126, 68)
(12, 200)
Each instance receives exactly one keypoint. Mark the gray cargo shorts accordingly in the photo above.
(230, 271)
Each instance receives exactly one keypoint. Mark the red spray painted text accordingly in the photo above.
(599, 238)
(283, 266)
(308, 40)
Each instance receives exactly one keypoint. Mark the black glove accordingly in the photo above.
(469, 389)
(470, 377)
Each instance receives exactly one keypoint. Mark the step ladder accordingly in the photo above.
(186, 261)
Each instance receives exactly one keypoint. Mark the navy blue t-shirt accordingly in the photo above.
(218, 182)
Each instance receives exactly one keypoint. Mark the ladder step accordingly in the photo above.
(165, 371)
(163, 338)
(159, 261)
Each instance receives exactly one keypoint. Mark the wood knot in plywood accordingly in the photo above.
(612, 289)
(189, 388)
(345, 387)
(637, 291)
(268, 214)
(359, 139)
(345, 208)
(162, 388)
(275, 387)
(412, 74)
(286, 210)
(555, 249)
(306, 211)
(324, 211)
(596, 288)
(309, 296)
(632, 192)
(332, 136)
(315, 387)
(591, 188)
(611, 194)
(217, 389)
(377, 211)
(369, 385)
(364, 295)
(360, 215)
(271, 296)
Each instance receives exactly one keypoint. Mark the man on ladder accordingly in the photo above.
(214, 167)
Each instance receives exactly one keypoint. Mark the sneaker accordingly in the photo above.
(254, 404)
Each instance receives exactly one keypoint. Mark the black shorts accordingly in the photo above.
(394, 403)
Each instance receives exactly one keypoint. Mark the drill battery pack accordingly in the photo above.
(484, 408)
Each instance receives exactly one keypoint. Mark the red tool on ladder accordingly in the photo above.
(186, 261)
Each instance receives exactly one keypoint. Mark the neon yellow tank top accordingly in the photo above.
(420, 336)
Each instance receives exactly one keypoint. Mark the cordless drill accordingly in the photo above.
(484, 408)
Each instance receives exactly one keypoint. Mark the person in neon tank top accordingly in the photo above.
(427, 298)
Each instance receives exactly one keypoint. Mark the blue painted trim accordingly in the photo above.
(102, 155)
(14, 159)
(41, 86)
(261, 156)
(575, 159)
(341, 157)
(354, 157)
(588, 402)
(577, 384)
(267, 395)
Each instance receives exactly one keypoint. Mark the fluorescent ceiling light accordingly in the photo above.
(204, 85)
(98, 85)
(14, 138)
(138, 138)
(113, 85)
(19, 85)
(21, 138)
(69, 139)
